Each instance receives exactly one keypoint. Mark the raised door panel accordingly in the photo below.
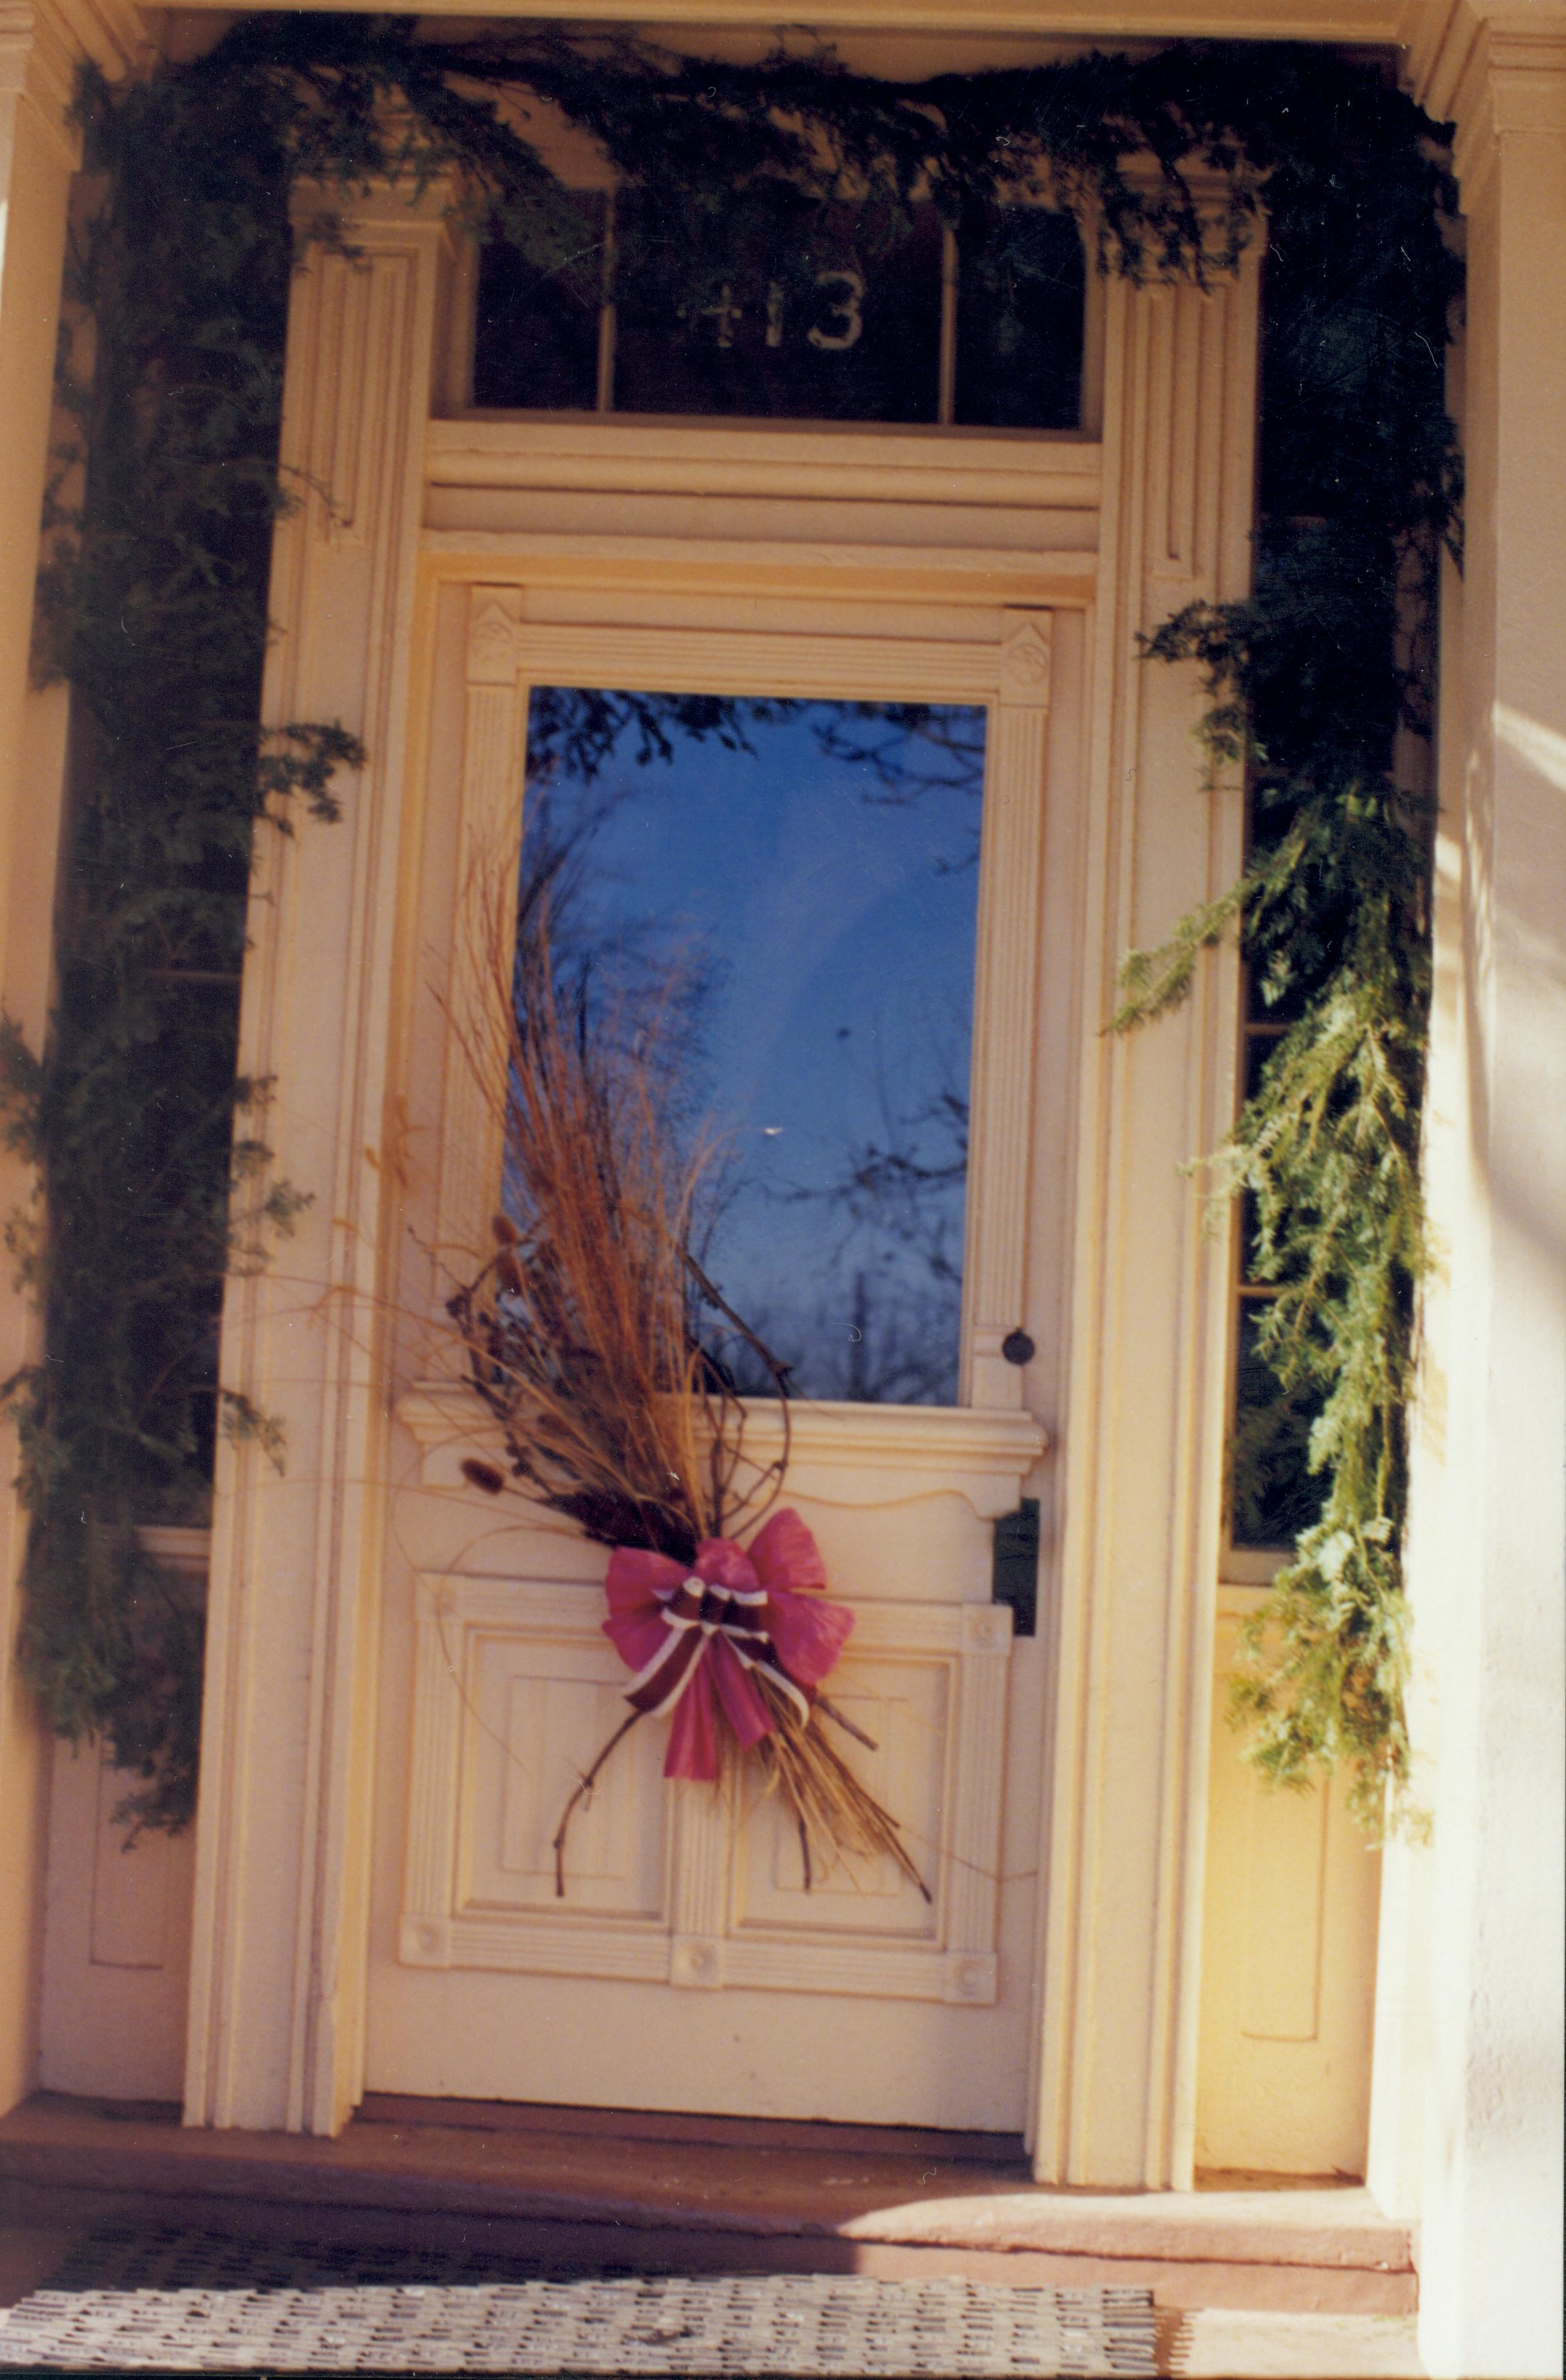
(1288, 1963)
(540, 1712)
(903, 1708)
(516, 1692)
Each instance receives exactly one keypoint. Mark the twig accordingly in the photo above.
(845, 1724)
(825, 1796)
(714, 1296)
(584, 1788)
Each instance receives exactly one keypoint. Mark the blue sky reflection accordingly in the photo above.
(815, 896)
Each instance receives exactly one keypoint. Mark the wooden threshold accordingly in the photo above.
(721, 2132)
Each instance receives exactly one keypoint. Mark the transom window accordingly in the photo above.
(791, 310)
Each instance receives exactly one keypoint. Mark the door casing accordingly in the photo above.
(1119, 531)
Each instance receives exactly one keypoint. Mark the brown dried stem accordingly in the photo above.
(584, 1786)
(829, 1803)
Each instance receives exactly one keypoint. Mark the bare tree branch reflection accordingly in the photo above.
(903, 748)
(840, 1246)
(574, 730)
(907, 748)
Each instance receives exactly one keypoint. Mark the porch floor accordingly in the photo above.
(570, 2188)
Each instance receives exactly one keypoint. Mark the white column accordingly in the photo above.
(278, 1960)
(40, 49)
(1143, 1440)
(1489, 1545)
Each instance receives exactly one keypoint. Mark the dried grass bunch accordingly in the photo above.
(579, 1329)
(582, 1329)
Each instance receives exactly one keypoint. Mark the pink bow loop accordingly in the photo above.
(697, 1639)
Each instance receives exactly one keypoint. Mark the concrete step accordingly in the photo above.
(564, 2187)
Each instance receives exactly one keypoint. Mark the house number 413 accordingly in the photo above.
(846, 317)
(846, 309)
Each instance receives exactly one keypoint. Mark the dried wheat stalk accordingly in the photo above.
(829, 1803)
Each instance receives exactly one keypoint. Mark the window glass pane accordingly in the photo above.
(782, 308)
(795, 885)
(1021, 307)
(536, 339)
(1273, 1493)
(791, 311)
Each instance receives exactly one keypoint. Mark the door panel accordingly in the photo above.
(540, 1711)
(1288, 1963)
(517, 1689)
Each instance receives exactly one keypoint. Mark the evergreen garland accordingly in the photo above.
(153, 608)
(1311, 679)
(150, 1161)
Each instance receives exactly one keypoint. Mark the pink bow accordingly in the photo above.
(694, 1637)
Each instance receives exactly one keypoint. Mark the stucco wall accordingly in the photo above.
(1488, 1572)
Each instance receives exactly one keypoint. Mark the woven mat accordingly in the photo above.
(198, 2302)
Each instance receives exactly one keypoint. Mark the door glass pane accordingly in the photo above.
(795, 885)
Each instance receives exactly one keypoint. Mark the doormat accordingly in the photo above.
(199, 2302)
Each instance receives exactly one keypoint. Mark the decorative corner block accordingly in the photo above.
(1025, 662)
(987, 1628)
(972, 1981)
(425, 1942)
(495, 617)
(696, 1963)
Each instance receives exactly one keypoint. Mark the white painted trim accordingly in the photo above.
(1038, 22)
(861, 1457)
(1143, 1432)
(1467, 2107)
(1022, 574)
(278, 1941)
(862, 460)
(44, 43)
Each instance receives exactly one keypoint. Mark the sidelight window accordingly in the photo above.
(1273, 1493)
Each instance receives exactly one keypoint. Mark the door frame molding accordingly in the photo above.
(282, 1839)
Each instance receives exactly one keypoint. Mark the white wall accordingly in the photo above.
(1488, 1552)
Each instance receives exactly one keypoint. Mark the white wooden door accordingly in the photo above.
(690, 1964)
